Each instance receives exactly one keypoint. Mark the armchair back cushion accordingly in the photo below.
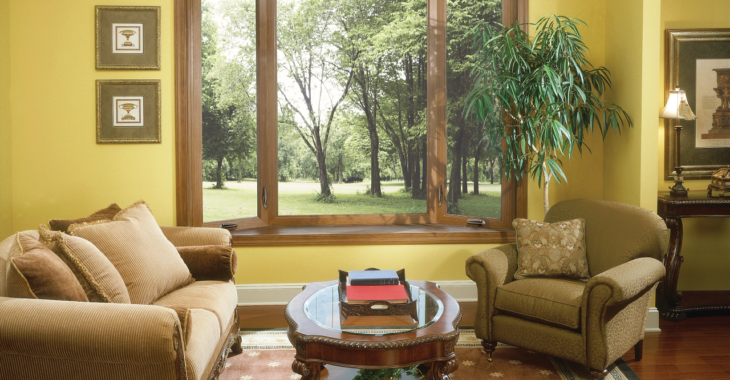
(615, 233)
(148, 263)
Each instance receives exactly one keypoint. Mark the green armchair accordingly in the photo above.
(593, 322)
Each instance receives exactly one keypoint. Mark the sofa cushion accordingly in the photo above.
(106, 213)
(551, 249)
(210, 262)
(218, 297)
(552, 301)
(96, 274)
(203, 342)
(38, 273)
(135, 245)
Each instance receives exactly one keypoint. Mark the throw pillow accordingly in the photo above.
(103, 214)
(96, 274)
(551, 249)
(135, 245)
(210, 262)
(38, 273)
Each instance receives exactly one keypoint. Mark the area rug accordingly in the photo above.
(267, 354)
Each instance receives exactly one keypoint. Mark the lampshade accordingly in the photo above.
(677, 106)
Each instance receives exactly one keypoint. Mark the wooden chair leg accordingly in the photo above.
(596, 374)
(489, 347)
(639, 350)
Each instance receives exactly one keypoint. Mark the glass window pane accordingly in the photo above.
(352, 106)
(473, 166)
(229, 109)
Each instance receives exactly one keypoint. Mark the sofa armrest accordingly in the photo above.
(192, 236)
(91, 332)
(490, 269)
(629, 279)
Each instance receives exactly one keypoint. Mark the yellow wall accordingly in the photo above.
(54, 167)
(58, 170)
(6, 190)
(705, 246)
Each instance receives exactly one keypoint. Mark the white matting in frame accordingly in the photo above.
(127, 38)
(707, 101)
(128, 111)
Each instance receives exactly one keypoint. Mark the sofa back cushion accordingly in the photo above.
(9, 248)
(135, 245)
(106, 213)
(37, 273)
(616, 233)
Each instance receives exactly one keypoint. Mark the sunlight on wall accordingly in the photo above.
(6, 158)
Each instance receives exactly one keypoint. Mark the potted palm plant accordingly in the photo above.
(547, 94)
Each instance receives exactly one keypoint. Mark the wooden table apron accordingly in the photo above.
(316, 345)
(672, 210)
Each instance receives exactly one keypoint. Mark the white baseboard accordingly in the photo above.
(652, 322)
(462, 291)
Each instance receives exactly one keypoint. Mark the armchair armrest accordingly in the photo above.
(192, 236)
(614, 309)
(490, 269)
(91, 332)
(629, 279)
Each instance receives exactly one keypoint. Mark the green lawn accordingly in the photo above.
(297, 198)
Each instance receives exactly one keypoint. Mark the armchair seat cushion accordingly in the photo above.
(218, 297)
(552, 301)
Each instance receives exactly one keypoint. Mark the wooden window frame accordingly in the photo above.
(269, 228)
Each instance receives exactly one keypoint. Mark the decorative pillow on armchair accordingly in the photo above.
(551, 249)
(136, 246)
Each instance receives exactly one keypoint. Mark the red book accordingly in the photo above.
(362, 294)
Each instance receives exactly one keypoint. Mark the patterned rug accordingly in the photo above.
(268, 355)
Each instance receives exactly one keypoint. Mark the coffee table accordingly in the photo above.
(322, 336)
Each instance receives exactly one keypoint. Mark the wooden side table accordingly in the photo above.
(672, 209)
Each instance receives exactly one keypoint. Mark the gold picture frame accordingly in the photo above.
(686, 52)
(127, 38)
(128, 111)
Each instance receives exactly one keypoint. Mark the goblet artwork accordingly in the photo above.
(128, 107)
(127, 33)
(721, 117)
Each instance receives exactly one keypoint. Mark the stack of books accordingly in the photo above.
(375, 285)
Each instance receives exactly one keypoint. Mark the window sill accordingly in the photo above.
(369, 235)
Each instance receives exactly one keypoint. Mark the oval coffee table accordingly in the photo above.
(322, 336)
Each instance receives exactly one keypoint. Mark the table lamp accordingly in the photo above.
(678, 109)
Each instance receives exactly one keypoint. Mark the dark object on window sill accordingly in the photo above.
(229, 226)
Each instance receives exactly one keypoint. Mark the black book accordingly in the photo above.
(373, 277)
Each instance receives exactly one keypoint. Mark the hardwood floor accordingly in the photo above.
(696, 348)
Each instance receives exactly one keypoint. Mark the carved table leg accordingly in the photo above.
(441, 370)
(309, 371)
(668, 298)
(489, 347)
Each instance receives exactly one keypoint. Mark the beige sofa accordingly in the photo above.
(45, 339)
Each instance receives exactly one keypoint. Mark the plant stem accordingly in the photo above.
(545, 190)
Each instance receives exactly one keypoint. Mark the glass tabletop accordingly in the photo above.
(324, 309)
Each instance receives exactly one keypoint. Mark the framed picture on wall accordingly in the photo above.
(127, 111)
(698, 62)
(127, 37)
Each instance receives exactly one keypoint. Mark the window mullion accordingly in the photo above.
(436, 98)
(267, 109)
